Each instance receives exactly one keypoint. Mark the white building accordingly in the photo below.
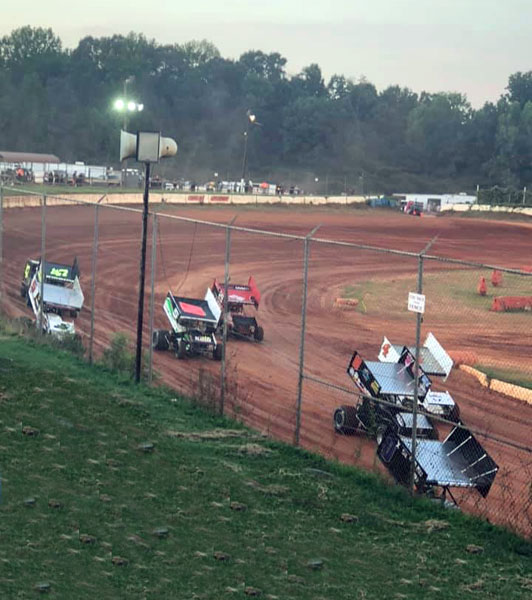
(40, 164)
(434, 202)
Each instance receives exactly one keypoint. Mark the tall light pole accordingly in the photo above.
(251, 119)
(126, 106)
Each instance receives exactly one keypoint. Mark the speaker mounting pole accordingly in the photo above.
(142, 276)
(147, 147)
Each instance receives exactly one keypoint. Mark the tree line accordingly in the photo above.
(307, 130)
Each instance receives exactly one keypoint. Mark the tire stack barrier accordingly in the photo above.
(486, 208)
(346, 303)
(501, 387)
(512, 390)
(23, 201)
(481, 377)
(506, 303)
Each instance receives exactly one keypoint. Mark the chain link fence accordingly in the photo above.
(439, 401)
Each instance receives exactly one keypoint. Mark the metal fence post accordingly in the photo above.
(419, 320)
(43, 253)
(224, 309)
(93, 281)
(152, 293)
(306, 243)
(416, 378)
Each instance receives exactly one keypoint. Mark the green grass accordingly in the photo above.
(508, 375)
(86, 456)
(453, 291)
(62, 190)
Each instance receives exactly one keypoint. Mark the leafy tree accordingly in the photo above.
(520, 88)
(436, 130)
(339, 87)
(31, 50)
(61, 101)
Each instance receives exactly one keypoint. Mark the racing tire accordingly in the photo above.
(379, 435)
(345, 420)
(454, 415)
(160, 340)
(181, 351)
(23, 291)
(217, 352)
(258, 333)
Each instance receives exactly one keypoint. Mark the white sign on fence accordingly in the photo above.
(416, 302)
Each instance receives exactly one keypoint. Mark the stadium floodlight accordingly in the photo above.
(124, 105)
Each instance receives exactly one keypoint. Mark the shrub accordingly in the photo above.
(118, 356)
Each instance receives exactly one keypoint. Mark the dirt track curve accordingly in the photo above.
(263, 377)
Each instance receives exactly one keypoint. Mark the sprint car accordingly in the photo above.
(194, 323)
(239, 322)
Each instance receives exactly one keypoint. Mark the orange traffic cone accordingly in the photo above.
(482, 289)
(496, 278)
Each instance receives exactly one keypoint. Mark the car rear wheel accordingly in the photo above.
(379, 436)
(160, 340)
(345, 420)
(259, 333)
(217, 352)
(181, 349)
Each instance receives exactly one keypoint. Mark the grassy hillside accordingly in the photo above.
(116, 491)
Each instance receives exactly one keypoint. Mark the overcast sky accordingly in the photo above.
(469, 46)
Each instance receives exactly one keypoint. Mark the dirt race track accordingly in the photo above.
(263, 377)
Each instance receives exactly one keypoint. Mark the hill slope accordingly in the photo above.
(211, 510)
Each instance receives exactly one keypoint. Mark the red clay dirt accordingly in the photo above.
(263, 378)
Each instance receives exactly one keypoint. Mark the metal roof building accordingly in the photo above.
(27, 157)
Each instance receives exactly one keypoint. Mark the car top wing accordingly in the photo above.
(433, 358)
(379, 379)
(192, 309)
(458, 461)
(238, 293)
(59, 272)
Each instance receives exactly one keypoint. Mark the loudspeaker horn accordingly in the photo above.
(128, 145)
(167, 147)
